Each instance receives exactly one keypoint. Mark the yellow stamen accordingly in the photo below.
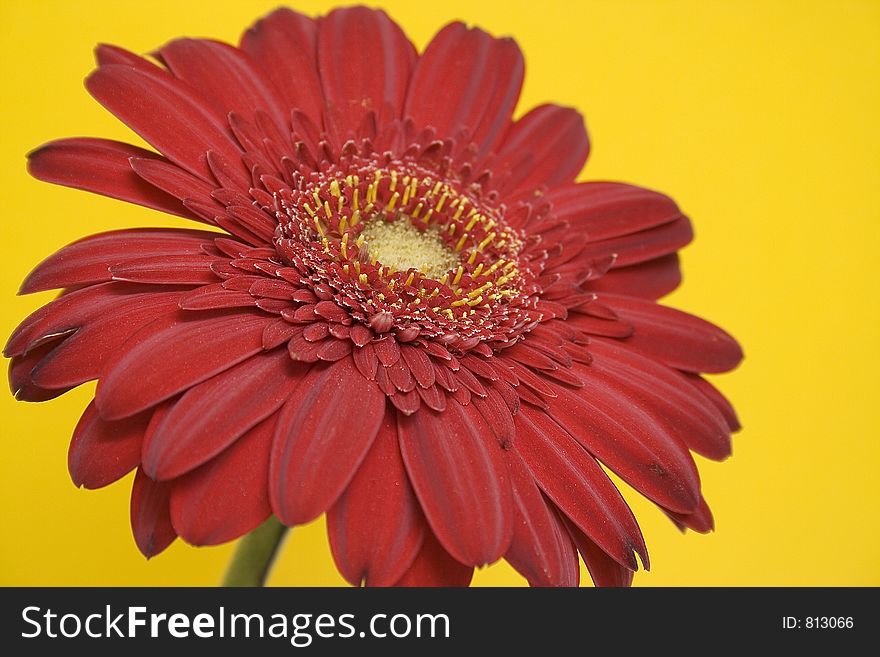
(486, 242)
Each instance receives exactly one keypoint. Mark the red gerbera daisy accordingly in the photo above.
(412, 317)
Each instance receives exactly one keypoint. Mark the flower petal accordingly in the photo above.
(715, 396)
(364, 60)
(604, 570)
(685, 413)
(604, 210)
(620, 431)
(700, 521)
(189, 351)
(82, 356)
(324, 432)
(578, 486)
(376, 527)
(168, 114)
(150, 520)
(643, 246)
(434, 566)
(88, 261)
(101, 166)
(102, 452)
(212, 415)
(20, 382)
(650, 280)
(466, 79)
(541, 549)
(225, 78)
(228, 496)
(283, 44)
(676, 338)
(175, 269)
(461, 481)
(546, 147)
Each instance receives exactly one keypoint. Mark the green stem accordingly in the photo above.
(254, 555)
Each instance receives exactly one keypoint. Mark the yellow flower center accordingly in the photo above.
(400, 246)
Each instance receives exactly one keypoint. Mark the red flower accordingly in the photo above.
(412, 318)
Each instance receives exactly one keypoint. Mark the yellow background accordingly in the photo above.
(759, 118)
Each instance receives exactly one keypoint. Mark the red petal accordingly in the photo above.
(650, 280)
(20, 382)
(700, 521)
(433, 397)
(65, 314)
(150, 520)
(578, 486)
(172, 354)
(167, 270)
(387, 350)
(604, 210)
(604, 570)
(433, 566)
(212, 415)
(228, 496)
(541, 549)
(466, 79)
(376, 527)
(372, 79)
(226, 79)
(676, 338)
(643, 246)
(215, 297)
(102, 452)
(175, 181)
(719, 400)
(687, 414)
(461, 481)
(620, 431)
(101, 166)
(324, 431)
(546, 147)
(166, 113)
(497, 415)
(82, 356)
(406, 402)
(88, 260)
(419, 364)
(283, 44)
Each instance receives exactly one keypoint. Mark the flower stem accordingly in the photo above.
(254, 555)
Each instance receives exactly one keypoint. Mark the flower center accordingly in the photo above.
(400, 246)
(406, 249)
